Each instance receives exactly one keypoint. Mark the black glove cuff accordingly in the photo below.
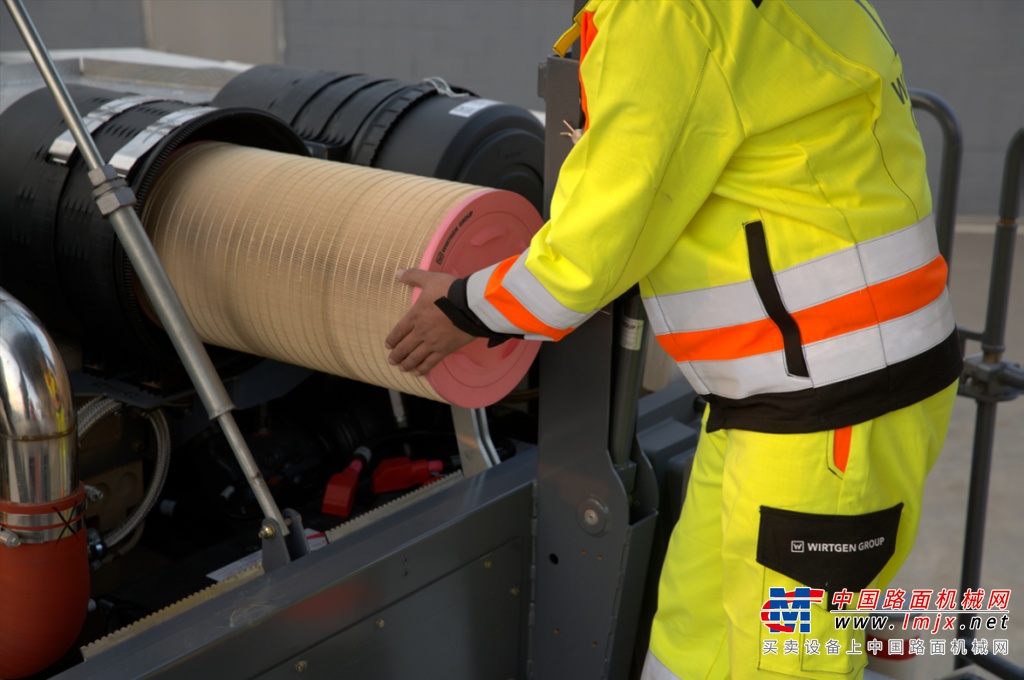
(456, 307)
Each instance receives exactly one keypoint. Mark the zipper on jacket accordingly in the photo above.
(768, 291)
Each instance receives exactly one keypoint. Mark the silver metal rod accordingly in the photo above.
(484, 435)
(476, 452)
(949, 164)
(628, 355)
(152, 275)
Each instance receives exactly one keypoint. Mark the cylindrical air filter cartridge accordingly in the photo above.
(295, 258)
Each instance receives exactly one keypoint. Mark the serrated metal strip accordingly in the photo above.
(169, 612)
(117, 637)
(388, 509)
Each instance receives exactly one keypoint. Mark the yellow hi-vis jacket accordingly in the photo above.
(755, 166)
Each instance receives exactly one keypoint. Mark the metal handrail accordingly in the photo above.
(949, 165)
(990, 379)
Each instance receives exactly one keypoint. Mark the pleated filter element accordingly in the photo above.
(294, 259)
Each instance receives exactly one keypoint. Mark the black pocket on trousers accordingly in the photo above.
(828, 551)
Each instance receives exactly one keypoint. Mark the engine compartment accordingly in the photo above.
(169, 511)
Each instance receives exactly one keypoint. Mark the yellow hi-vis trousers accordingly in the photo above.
(766, 514)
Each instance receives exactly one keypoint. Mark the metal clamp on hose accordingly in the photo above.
(9, 539)
(65, 145)
(126, 157)
(36, 524)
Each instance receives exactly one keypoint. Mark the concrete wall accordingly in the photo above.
(967, 51)
(489, 46)
(248, 31)
(78, 23)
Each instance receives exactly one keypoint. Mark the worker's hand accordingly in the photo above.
(425, 335)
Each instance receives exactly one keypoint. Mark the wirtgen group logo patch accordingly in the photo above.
(789, 611)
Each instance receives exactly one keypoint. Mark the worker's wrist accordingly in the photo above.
(456, 307)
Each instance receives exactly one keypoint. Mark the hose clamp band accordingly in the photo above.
(65, 145)
(131, 152)
(44, 527)
(9, 539)
(38, 536)
(34, 523)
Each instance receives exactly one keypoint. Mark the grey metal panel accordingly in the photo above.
(668, 427)
(590, 556)
(465, 625)
(589, 576)
(562, 103)
(424, 548)
(578, 567)
(629, 646)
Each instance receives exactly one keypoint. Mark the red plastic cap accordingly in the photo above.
(396, 474)
(341, 490)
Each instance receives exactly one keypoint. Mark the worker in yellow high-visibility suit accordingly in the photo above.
(755, 166)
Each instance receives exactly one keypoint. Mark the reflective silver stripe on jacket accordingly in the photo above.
(828, 361)
(531, 294)
(656, 670)
(801, 286)
(816, 282)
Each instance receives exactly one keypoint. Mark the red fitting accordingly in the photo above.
(341, 490)
(396, 474)
(45, 593)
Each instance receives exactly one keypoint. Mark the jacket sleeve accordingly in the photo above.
(658, 107)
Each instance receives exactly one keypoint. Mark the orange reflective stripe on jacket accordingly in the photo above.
(852, 318)
(519, 304)
(852, 312)
(588, 31)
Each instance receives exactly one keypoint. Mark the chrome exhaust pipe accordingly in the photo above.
(44, 570)
(38, 433)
